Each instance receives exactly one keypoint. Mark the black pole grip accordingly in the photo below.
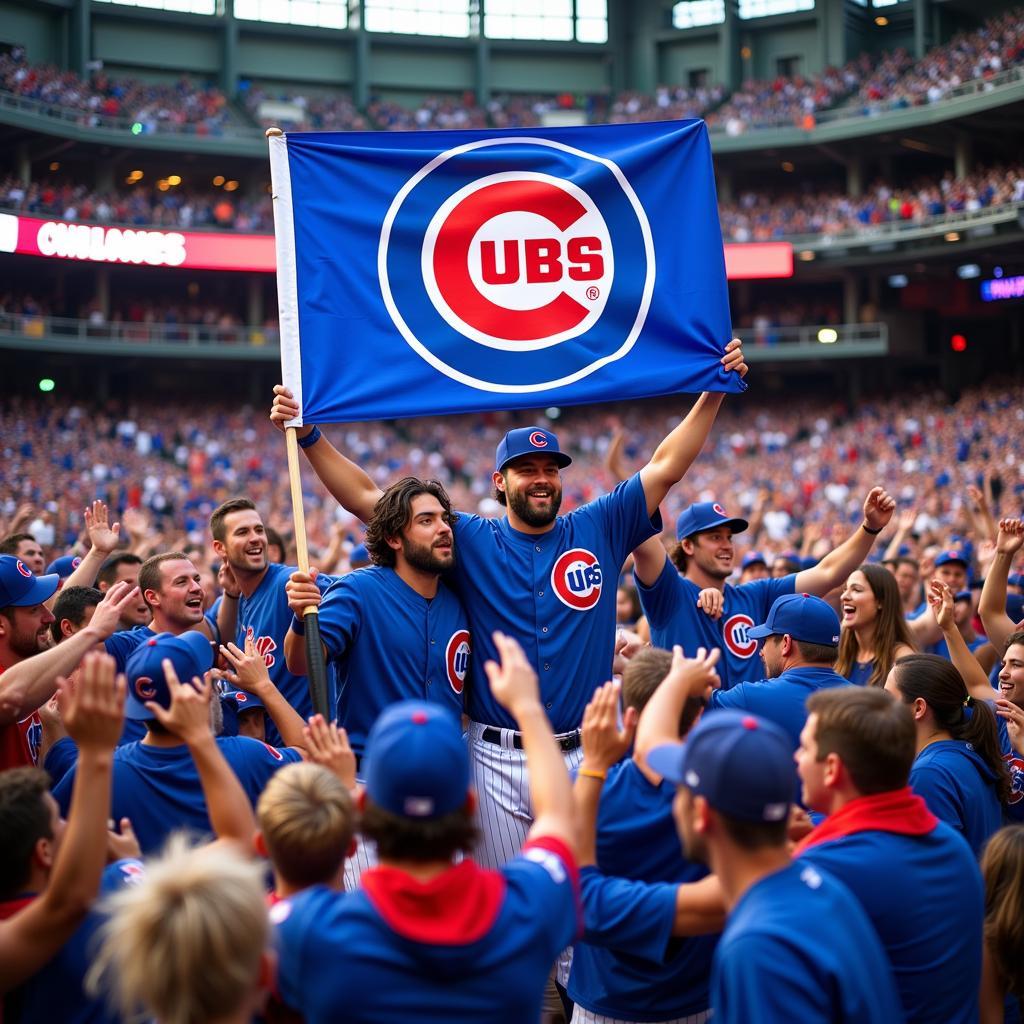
(316, 667)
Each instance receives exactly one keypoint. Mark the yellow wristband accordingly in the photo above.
(588, 774)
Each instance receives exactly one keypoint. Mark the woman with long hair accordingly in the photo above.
(959, 768)
(874, 632)
(1002, 974)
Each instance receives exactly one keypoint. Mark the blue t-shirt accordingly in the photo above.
(1014, 807)
(925, 897)
(554, 592)
(782, 700)
(645, 975)
(959, 788)
(798, 947)
(388, 643)
(860, 672)
(158, 787)
(121, 644)
(56, 994)
(266, 617)
(670, 605)
(941, 648)
(340, 959)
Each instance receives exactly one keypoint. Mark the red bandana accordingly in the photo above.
(900, 811)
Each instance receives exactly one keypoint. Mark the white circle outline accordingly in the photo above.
(554, 582)
(481, 385)
(453, 319)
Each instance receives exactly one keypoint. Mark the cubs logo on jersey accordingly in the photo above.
(734, 634)
(1016, 767)
(456, 659)
(265, 645)
(576, 579)
(517, 264)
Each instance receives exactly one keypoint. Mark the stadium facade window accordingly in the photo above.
(419, 17)
(561, 20)
(694, 13)
(319, 13)
(183, 6)
(765, 8)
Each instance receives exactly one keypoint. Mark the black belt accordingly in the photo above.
(571, 741)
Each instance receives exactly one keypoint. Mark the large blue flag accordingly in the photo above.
(457, 271)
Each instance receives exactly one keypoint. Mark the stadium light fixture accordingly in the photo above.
(881, 21)
(174, 179)
(55, 166)
(787, 166)
(230, 186)
(828, 335)
(806, 255)
(898, 280)
(46, 384)
(967, 271)
(952, 236)
(218, 181)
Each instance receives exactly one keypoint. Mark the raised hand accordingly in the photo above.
(102, 536)
(1010, 537)
(879, 506)
(284, 409)
(92, 709)
(122, 845)
(733, 358)
(302, 591)
(940, 600)
(695, 676)
(250, 667)
(711, 601)
(188, 717)
(604, 742)
(513, 682)
(328, 745)
(1014, 718)
(108, 612)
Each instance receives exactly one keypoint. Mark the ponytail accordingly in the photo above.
(937, 682)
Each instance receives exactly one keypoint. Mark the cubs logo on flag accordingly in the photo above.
(441, 272)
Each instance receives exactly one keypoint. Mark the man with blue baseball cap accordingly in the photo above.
(426, 936)
(800, 643)
(797, 946)
(156, 780)
(699, 609)
(63, 567)
(754, 566)
(29, 669)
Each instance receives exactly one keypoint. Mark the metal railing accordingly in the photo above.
(122, 125)
(30, 326)
(23, 330)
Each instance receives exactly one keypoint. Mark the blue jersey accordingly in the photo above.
(158, 787)
(468, 946)
(121, 644)
(927, 907)
(266, 618)
(941, 648)
(860, 672)
(646, 976)
(388, 643)
(799, 947)
(1014, 809)
(959, 788)
(57, 992)
(670, 605)
(782, 700)
(554, 592)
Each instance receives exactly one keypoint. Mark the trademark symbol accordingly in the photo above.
(593, 292)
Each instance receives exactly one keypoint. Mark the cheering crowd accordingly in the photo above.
(892, 80)
(797, 798)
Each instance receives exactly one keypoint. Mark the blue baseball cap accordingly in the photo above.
(243, 700)
(740, 763)
(20, 587)
(753, 558)
(962, 595)
(1015, 607)
(528, 441)
(803, 617)
(951, 555)
(190, 654)
(359, 553)
(64, 566)
(706, 515)
(416, 763)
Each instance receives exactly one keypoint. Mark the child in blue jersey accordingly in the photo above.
(797, 946)
(157, 781)
(959, 768)
(854, 761)
(254, 604)
(699, 609)
(425, 938)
